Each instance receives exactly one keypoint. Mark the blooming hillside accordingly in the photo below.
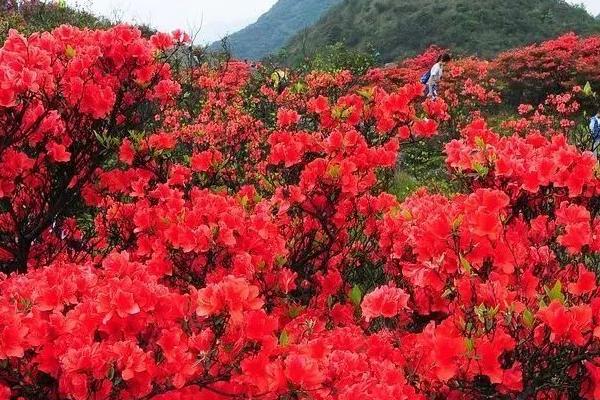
(222, 232)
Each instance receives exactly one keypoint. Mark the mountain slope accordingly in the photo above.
(274, 28)
(399, 28)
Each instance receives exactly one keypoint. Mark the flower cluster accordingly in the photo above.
(65, 96)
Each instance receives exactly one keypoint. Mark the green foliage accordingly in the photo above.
(284, 338)
(404, 185)
(422, 165)
(555, 293)
(338, 57)
(275, 28)
(403, 28)
(41, 16)
(355, 295)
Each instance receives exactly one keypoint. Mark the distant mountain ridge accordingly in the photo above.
(274, 28)
(399, 28)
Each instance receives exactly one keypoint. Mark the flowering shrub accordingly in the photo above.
(535, 71)
(66, 96)
(244, 245)
(469, 84)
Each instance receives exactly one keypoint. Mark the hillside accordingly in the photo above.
(213, 234)
(274, 28)
(28, 17)
(397, 28)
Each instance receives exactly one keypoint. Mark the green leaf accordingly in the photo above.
(493, 311)
(465, 264)
(294, 311)
(528, 318)
(70, 52)
(556, 292)
(284, 338)
(480, 143)
(468, 326)
(355, 295)
(367, 93)
(298, 87)
(280, 260)
(457, 222)
(469, 345)
(334, 171)
(111, 373)
(103, 140)
(480, 312)
(336, 112)
(481, 169)
(587, 90)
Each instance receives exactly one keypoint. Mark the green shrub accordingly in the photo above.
(337, 57)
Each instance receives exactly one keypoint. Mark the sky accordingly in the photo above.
(212, 19)
(593, 6)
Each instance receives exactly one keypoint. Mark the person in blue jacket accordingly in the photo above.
(595, 132)
(433, 77)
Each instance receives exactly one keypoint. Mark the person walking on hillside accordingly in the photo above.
(432, 78)
(595, 132)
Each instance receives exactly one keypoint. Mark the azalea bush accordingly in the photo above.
(532, 73)
(66, 96)
(238, 238)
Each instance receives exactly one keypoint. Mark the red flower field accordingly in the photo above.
(212, 233)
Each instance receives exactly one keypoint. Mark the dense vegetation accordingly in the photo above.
(38, 16)
(274, 28)
(219, 230)
(400, 28)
